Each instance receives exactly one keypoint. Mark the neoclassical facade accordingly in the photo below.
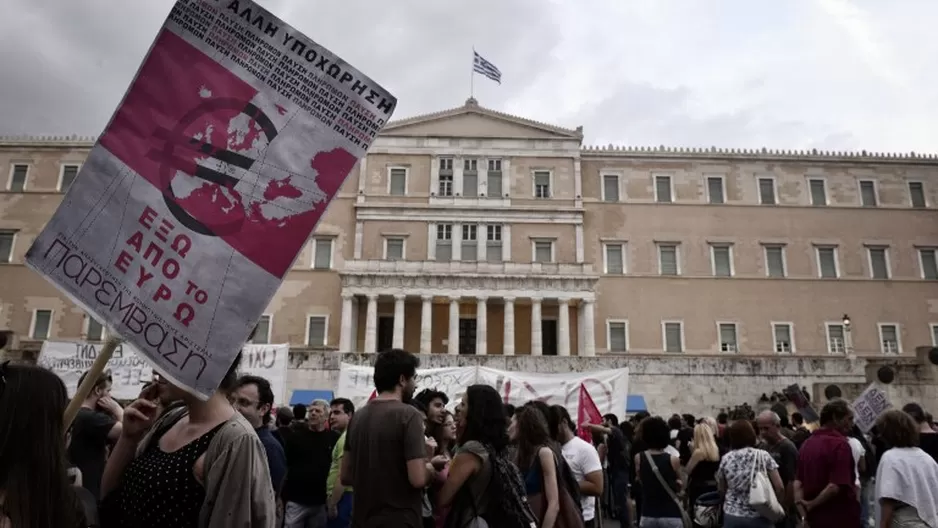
(471, 231)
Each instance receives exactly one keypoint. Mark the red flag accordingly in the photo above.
(587, 412)
(374, 394)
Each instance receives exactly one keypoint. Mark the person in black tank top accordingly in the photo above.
(659, 510)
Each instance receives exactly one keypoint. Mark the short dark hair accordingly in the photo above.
(101, 382)
(835, 410)
(417, 404)
(265, 394)
(722, 418)
(689, 420)
(655, 432)
(796, 418)
(231, 377)
(284, 415)
(916, 412)
(675, 421)
(898, 429)
(347, 406)
(426, 396)
(299, 412)
(741, 434)
(563, 418)
(509, 410)
(612, 418)
(391, 365)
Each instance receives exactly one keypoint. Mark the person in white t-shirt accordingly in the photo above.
(858, 461)
(584, 462)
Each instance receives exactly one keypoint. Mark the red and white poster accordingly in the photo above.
(229, 144)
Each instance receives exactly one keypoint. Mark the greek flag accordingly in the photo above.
(480, 65)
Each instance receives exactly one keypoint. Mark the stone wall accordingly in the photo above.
(697, 385)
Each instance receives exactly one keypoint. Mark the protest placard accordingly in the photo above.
(868, 406)
(229, 144)
(68, 359)
(269, 362)
(609, 389)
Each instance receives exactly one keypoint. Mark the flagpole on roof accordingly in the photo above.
(472, 74)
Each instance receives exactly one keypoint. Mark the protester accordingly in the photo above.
(652, 466)
(617, 455)
(284, 419)
(339, 498)
(34, 486)
(907, 478)
(96, 427)
(825, 487)
(309, 456)
(928, 438)
(785, 455)
(702, 467)
(529, 430)
(386, 454)
(583, 460)
(254, 398)
(199, 465)
(734, 478)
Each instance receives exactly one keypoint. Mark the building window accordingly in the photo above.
(917, 194)
(470, 178)
(728, 339)
(879, 262)
(444, 242)
(397, 181)
(18, 178)
(614, 258)
(827, 262)
(262, 331)
(393, 248)
(67, 177)
(668, 259)
(767, 191)
(721, 259)
(316, 326)
(7, 238)
(445, 183)
(617, 335)
(775, 261)
(782, 335)
(673, 336)
(94, 331)
(322, 253)
(42, 321)
(493, 243)
(868, 193)
(715, 190)
(818, 189)
(610, 187)
(543, 251)
(663, 189)
(494, 178)
(890, 343)
(542, 184)
(836, 343)
(926, 256)
(470, 242)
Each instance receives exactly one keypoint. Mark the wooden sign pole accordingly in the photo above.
(87, 384)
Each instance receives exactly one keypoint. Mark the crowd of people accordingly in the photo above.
(403, 460)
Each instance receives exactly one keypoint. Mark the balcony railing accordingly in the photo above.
(431, 267)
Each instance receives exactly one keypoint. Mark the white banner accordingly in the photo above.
(129, 370)
(868, 406)
(269, 362)
(608, 388)
(228, 146)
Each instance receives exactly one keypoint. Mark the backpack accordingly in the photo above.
(508, 500)
(567, 479)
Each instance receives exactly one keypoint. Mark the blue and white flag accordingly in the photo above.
(480, 65)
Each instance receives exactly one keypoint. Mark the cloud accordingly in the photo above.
(833, 74)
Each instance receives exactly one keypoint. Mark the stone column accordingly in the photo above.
(345, 335)
(563, 327)
(453, 338)
(371, 324)
(536, 338)
(508, 346)
(589, 329)
(426, 325)
(398, 339)
(482, 326)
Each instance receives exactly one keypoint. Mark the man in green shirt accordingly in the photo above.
(339, 498)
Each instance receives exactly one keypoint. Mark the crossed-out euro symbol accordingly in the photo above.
(171, 160)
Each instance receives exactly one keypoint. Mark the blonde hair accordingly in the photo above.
(704, 441)
(712, 423)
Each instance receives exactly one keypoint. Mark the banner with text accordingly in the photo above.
(130, 371)
(219, 162)
(868, 406)
(608, 388)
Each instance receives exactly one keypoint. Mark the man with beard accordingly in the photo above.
(387, 458)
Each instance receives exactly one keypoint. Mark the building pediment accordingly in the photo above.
(474, 121)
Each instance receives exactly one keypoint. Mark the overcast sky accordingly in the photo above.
(831, 74)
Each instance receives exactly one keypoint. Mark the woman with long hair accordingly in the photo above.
(907, 476)
(34, 485)
(482, 436)
(446, 436)
(529, 430)
(702, 467)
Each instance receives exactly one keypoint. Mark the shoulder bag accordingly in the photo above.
(685, 518)
(762, 497)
